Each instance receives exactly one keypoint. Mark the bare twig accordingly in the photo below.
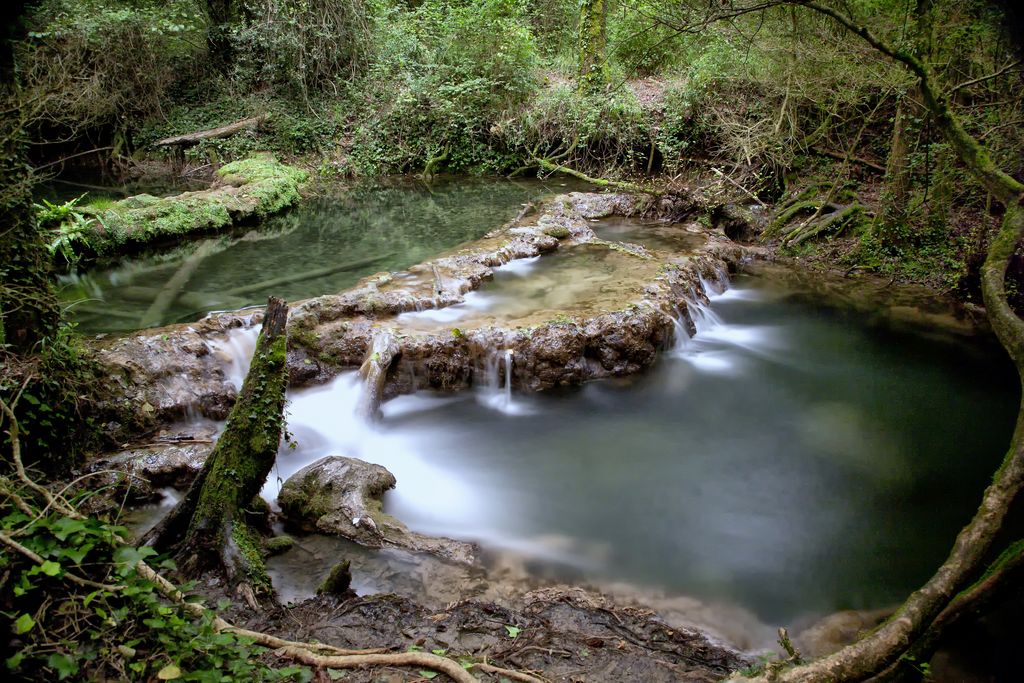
(995, 74)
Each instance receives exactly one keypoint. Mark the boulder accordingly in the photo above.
(343, 496)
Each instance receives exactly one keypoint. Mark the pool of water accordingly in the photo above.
(790, 458)
(655, 235)
(322, 247)
(585, 279)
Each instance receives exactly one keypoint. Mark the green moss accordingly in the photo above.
(248, 543)
(254, 187)
(278, 545)
(338, 582)
(557, 231)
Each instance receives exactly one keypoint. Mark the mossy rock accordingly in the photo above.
(250, 188)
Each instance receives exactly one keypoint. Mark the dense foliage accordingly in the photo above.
(780, 99)
(767, 100)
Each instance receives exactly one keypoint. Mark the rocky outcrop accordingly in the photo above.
(342, 496)
(254, 187)
(615, 327)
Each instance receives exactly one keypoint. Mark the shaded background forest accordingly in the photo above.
(783, 102)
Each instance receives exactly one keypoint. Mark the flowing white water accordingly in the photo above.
(236, 352)
(495, 389)
(472, 302)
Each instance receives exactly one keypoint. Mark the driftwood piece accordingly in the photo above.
(175, 286)
(373, 371)
(308, 275)
(189, 139)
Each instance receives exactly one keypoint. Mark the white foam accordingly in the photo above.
(236, 353)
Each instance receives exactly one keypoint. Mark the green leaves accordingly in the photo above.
(24, 624)
(63, 664)
(169, 672)
(50, 568)
(513, 631)
(111, 634)
(126, 557)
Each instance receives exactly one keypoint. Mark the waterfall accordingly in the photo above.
(508, 376)
(236, 352)
(494, 387)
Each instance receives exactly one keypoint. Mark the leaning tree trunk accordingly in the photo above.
(208, 527)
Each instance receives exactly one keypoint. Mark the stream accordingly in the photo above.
(792, 458)
(789, 458)
(354, 231)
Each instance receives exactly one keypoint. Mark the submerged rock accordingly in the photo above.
(342, 496)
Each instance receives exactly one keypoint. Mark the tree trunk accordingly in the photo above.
(28, 307)
(209, 524)
(897, 175)
(593, 61)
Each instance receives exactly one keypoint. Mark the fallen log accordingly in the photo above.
(190, 139)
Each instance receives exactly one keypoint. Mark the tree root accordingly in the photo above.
(1003, 573)
(553, 167)
(839, 218)
(424, 660)
(507, 673)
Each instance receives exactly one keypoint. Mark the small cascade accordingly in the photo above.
(495, 388)
(508, 376)
(704, 319)
(716, 285)
(374, 370)
(681, 332)
(236, 353)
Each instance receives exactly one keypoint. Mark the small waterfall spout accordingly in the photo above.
(508, 376)
(383, 351)
(495, 388)
(236, 353)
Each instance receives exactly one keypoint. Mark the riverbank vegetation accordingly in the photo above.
(882, 136)
(779, 103)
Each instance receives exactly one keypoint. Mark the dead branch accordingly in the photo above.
(190, 139)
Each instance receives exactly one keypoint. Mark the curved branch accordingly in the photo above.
(999, 183)
(425, 660)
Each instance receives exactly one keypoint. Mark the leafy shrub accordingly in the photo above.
(99, 64)
(118, 628)
(57, 386)
(444, 74)
(596, 133)
(307, 47)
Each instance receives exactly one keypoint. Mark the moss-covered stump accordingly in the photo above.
(212, 524)
(251, 188)
(342, 496)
